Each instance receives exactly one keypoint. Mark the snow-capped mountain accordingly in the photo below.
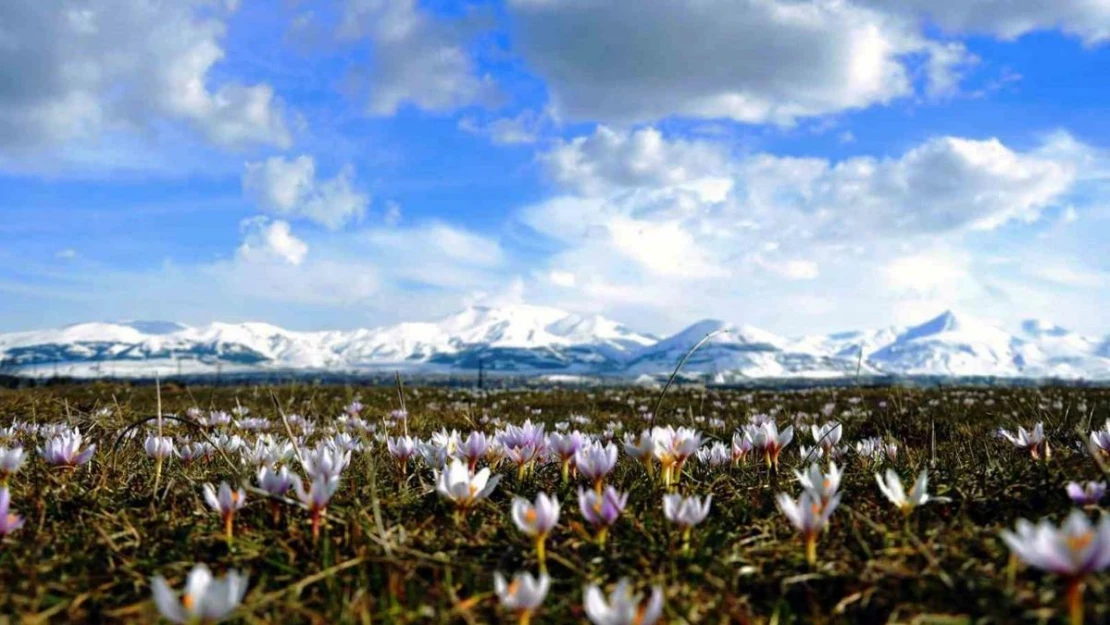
(950, 345)
(536, 340)
(736, 352)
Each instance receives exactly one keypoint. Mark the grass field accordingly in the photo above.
(392, 550)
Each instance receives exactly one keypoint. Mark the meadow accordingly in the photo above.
(391, 547)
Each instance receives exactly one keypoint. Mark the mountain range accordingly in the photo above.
(542, 341)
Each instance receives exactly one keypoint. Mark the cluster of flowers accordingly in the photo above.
(1074, 550)
(1077, 548)
(63, 447)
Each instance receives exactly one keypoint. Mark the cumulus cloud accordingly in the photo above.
(767, 61)
(1009, 19)
(946, 183)
(943, 184)
(752, 61)
(641, 159)
(417, 59)
(75, 71)
(266, 240)
(807, 239)
(291, 188)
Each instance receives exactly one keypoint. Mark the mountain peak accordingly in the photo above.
(529, 338)
(945, 323)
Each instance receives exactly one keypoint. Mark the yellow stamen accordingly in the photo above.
(1081, 542)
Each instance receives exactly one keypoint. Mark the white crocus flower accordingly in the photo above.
(523, 595)
(824, 485)
(686, 512)
(891, 486)
(1074, 551)
(623, 607)
(461, 486)
(206, 600)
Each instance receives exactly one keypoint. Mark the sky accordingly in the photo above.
(803, 166)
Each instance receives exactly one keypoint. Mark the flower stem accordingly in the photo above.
(525, 617)
(541, 553)
(1075, 600)
(811, 549)
(228, 520)
(566, 470)
(157, 475)
(602, 534)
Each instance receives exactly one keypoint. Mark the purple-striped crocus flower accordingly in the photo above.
(1087, 494)
(602, 509)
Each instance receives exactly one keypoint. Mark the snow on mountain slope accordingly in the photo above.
(514, 338)
(1052, 351)
(542, 340)
(518, 327)
(734, 352)
(950, 345)
(77, 333)
(846, 344)
(524, 325)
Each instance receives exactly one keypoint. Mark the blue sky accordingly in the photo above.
(802, 166)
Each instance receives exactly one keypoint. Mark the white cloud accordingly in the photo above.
(868, 239)
(934, 273)
(325, 279)
(75, 72)
(291, 188)
(1009, 19)
(266, 240)
(752, 61)
(791, 269)
(1064, 273)
(435, 254)
(417, 59)
(641, 159)
(378, 266)
(767, 61)
(523, 128)
(663, 248)
(392, 215)
(944, 184)
(564, 279)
